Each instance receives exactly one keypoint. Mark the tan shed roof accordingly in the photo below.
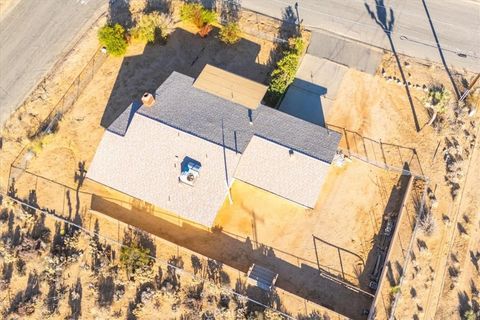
(230, 86)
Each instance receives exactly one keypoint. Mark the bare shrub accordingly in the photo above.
(427, 222)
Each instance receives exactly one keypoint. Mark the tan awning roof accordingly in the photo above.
(230, 86)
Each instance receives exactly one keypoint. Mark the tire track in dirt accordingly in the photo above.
(444, 255)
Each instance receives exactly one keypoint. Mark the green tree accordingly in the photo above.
(150, 27)
(134, 258)
(113, 38)
(469, 315)
(284, 73)
(197, 14)
(437, 100)
(230, 33)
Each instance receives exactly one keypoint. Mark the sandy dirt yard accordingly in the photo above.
(53, 180)
(375, 110)
(53, 270)
(310, 249)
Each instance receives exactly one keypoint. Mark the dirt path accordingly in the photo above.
(452, 236)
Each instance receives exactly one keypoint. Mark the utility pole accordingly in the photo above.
(466, 93)
(299, 22)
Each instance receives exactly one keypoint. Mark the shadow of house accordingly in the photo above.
(342, 252)
(304, 100)
(185, 53)
(301, 280)
(382, 240)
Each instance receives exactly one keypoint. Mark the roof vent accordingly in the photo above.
(190, 172)
(148, 99)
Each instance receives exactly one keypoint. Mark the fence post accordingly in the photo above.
(93, 65)
(78, 88)
(383, 153)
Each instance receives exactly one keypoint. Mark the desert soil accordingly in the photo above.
(114, 86)
(378, 109)
(375, 113)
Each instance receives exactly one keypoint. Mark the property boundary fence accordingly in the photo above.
(406, 253)
(166, 263)
(64, 104)
(384, 155)
(119, 227)
(408, 256)
(63, 207)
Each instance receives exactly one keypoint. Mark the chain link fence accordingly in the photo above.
(74, 206)
(65, 103)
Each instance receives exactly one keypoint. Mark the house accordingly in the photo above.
(182, 148)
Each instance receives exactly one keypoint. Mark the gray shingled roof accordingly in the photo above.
(183, 107)
(179, 105)
(296, 134)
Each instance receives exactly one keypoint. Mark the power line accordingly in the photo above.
(372, 26)
(379, 6)
(91, 233)
(408, 12)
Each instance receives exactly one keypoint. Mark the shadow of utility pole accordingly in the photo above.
(386, 23)
(440, 50)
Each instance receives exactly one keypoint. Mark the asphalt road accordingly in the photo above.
(33, 35)
(456, 24)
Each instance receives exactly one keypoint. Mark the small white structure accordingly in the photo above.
(261, 277)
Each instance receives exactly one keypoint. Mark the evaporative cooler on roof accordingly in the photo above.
(190, 172)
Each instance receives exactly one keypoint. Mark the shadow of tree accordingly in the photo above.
(290, 26)
(196, 264)
(31, 202)
(39, 230)
(230, 10)
(475, 257)
(75, 300)
(12, 191)
(119, 12)
(54, 295)
(171, 282)
(9, 217)
(106, 291)
(64, 242)
(23, 299)
(314, 315)
(214, 268)
(7, 272)
(143, 293)
(464, 303)
(135, 237)
(186, 53)
(164, 6)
